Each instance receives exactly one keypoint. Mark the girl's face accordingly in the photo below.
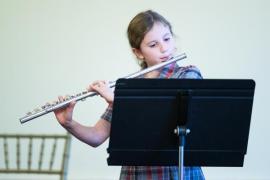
(157, 46)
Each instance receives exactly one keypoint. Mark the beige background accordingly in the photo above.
(57, 47)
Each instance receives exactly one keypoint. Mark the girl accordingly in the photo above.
(151, 39)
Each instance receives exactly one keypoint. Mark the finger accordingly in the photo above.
(89, 88)
(108, 83)
(92, 86)
(67, 97)
(72, 104)
(96, 82)
(61, 98)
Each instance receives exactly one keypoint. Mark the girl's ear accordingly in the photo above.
(138, 53)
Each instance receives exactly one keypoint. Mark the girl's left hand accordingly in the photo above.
(103, 89)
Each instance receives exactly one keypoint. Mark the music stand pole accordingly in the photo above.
(181, 131)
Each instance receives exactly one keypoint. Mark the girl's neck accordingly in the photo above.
(152, 74)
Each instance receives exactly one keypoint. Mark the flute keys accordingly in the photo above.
(54, 103)
(29, 113)
(68, 97)
(84, 92)
(37, 110)
(47, 105)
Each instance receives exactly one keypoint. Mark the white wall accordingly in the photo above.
(50, 48)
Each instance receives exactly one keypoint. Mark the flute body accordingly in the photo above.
(81, 96)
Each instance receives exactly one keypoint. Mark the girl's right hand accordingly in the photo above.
(64, 115)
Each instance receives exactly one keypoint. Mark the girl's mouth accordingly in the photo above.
(165, 58)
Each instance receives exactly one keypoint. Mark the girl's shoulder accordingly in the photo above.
(188, 72)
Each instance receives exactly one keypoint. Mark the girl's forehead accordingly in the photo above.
(157, 31)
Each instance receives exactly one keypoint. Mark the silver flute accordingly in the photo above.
(49, 107)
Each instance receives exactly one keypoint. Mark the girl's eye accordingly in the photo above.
(152, 45)
(167, 39)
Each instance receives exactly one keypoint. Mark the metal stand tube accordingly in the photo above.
(181, 132)
(181, 163)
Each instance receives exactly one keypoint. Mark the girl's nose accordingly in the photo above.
(163, 47)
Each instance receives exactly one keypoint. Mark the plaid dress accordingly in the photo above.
(162, 172)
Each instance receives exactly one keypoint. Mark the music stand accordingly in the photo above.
(148, 112)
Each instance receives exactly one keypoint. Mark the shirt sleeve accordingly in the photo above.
(189, 72)
(107, 115)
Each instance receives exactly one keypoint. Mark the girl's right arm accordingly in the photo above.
(91, 135)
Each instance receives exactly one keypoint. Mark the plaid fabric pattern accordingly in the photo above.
(162, 172)
(159, 173)
(107, 115)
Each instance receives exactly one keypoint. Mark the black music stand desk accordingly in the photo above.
(147, 112)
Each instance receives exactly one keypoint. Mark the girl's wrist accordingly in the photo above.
(110, 101)
(69, 125)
